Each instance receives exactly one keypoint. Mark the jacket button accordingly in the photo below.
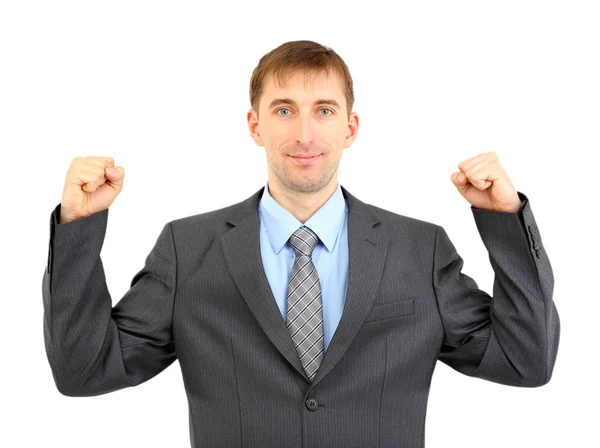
(312, 404)
(537, 253)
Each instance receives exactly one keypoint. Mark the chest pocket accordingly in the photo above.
(391, 310)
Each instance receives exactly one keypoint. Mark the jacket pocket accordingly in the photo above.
(391, 310)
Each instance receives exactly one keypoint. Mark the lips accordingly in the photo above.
(306, 160)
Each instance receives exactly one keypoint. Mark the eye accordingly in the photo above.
(283, 108)
(286, 109)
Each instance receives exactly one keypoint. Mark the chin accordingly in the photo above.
(307, 186)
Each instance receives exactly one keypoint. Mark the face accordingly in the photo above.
(306, 117)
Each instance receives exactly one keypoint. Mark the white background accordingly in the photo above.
(163, 88)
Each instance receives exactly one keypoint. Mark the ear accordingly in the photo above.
(253, 127)
(352, 130)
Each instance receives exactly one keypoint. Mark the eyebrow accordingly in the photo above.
(280, 101)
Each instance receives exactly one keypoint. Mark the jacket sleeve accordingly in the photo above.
(92, 347)
(513, 337)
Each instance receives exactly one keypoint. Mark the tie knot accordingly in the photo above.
(303, 241)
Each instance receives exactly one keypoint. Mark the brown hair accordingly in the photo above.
(299, 56)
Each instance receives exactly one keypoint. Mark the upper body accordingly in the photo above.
(203, 298)
(212, 291)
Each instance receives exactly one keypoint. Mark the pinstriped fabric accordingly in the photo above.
(304, 304)
(202, 298)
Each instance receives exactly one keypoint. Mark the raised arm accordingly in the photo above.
(92, 347)
(511, 338)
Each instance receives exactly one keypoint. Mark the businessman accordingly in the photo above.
(300, 316)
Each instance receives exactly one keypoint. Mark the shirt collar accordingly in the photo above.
(281, 224)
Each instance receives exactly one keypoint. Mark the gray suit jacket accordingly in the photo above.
(202, 297)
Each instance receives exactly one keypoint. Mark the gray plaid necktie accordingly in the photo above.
(304, 305)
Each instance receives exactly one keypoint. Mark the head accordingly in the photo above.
(302, 96)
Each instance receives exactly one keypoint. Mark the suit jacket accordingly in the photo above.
(202, 297)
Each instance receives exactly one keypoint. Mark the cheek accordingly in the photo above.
(277, 131)
(276, 141)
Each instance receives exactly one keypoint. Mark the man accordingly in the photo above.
(301, 316)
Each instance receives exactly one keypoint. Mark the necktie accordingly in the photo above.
(304, 305)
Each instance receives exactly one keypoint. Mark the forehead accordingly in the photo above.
(305, 87)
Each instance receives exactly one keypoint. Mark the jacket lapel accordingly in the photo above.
(367, 249)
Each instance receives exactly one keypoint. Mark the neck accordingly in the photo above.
(302, 205)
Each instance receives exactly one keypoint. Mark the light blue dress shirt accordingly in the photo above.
(330, 255)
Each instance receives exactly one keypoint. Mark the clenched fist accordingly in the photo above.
(91, 186)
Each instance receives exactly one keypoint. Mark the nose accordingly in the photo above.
(304, 130)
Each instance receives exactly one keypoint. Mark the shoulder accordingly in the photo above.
(213, 221)
(404, 225)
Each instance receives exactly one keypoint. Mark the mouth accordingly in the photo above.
(305, 156)
(306, 159)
